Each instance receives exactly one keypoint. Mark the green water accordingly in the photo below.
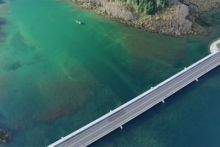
(56, 76)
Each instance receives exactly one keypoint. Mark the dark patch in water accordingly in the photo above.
(2, 116)
(13, 66)
(209, 20)
(30, 63)
(205, 20)
(216, 18)
(2, 1)
(2, 22)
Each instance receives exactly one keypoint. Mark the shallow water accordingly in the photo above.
(56, 76)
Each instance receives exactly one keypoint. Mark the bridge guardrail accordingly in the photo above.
(128, 103)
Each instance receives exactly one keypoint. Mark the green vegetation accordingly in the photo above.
(145, 6)
(218, 45)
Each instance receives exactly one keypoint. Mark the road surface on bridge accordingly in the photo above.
(115, 119)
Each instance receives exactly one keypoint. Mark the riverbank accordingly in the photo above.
(167, 21)
(173, 20)
(214, 46)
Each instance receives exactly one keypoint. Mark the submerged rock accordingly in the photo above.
(4, 136)
(12, 66)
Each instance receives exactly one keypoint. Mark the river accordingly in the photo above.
(56, 76)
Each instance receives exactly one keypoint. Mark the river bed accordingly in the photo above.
(56, 76)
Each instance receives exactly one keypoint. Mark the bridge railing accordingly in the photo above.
(129, 102)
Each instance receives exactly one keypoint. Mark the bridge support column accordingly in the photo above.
(121, 127)
(197, 80)
(163, 101)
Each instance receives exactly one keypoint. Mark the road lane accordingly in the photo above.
(146, 102)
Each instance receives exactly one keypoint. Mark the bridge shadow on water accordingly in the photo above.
(165, 121)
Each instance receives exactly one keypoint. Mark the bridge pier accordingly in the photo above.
(121, 127)
(163, 101)
(197, 80)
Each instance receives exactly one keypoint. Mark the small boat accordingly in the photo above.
(78, 22)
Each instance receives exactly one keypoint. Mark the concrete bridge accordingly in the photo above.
(128, 111)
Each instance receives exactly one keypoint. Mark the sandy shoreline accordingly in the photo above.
(213, 47)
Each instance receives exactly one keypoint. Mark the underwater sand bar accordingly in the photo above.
(102, 126)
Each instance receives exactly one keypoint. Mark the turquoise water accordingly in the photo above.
(56, 76)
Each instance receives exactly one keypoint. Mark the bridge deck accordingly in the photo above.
(116, 119)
